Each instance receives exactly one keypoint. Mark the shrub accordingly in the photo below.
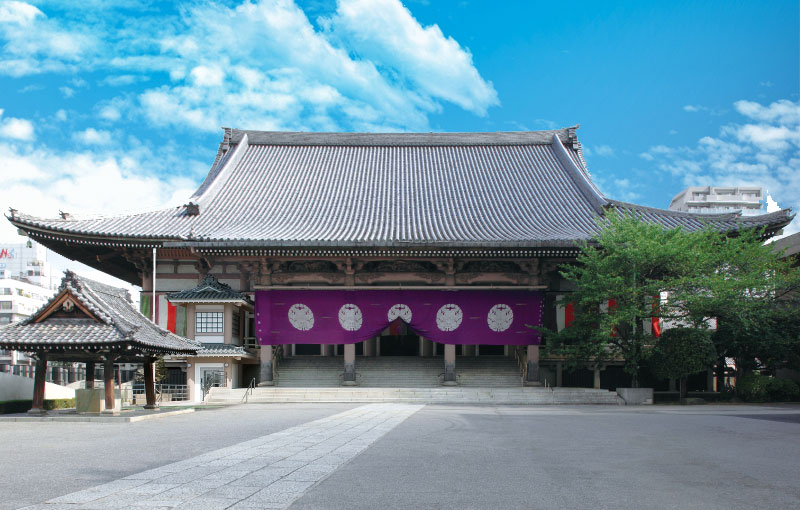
(783, 390)
(59, 403)
(22, 406)
(752, 387)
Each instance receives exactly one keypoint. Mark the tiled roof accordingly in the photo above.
(209, 290)
(213, 350)
(119, 323)
(266, 189)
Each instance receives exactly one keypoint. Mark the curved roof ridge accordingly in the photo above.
(465, 138)
(721, 216)
(580, 177)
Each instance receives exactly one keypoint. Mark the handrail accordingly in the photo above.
(248, 391)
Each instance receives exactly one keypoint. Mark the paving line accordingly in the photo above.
(268, 472)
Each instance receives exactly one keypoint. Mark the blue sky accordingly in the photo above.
(115, 106)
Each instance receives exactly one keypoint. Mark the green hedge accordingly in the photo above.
(23, 406)
(755, 387)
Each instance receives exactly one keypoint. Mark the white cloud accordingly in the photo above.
(262, 64)
(19, 13)
(108, 181)
(16, 129)
(67, 92)
(207, 76)
(763, 149)
(91, 136)
(385, 32)
(694, 108)
(602, 150)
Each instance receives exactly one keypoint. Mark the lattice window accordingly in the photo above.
(209, 322)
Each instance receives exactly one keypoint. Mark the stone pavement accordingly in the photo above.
(269, 472)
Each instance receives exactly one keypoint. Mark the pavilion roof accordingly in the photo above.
(86, 315)
(364, 190)
(210, 290)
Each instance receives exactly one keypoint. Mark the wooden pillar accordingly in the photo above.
(349, 377)
(149, 384)
(89, 375)
(449, 365)
(227, 327)
(710, 379)
(427, 348)
(369, 347)
(108, 383)
(190, 321)
(39, 383)
(533, 363)
(469, 350)
(265, 373)
(597, 377)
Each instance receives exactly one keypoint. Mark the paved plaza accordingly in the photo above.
(308, 456)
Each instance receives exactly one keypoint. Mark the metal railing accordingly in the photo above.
(249, 390)
(175, 391)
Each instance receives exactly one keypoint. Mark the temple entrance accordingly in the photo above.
(400, 345)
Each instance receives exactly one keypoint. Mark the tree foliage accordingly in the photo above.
(681, 352)
(709, 277)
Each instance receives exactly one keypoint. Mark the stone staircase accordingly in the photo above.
(481, 380)
(398, 372)
(441, 395)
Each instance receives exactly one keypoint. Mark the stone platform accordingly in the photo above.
(441, 395)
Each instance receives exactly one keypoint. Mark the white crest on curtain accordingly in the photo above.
(301, 317)
(400, 311)
(449, 317)
(500, 317)
(350, 317)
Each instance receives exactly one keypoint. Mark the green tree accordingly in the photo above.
(753, 294)
(731, 280)
(681, 352)
(629, 263)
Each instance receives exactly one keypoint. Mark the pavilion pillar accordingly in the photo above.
(89, 375)
(108, 385)
(149, 384)
(449, 365)
(349, 377)
(533, 363)
(265, 370)
(39, 383)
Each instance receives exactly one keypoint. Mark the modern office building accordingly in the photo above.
(719, 200)
(25, 286)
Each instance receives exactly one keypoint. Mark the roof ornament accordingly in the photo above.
(226, 139)
(64, 215)
(13, 212)
(192, 209)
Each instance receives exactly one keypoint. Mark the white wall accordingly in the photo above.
(16, 387)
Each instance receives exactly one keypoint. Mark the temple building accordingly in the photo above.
(354, 246)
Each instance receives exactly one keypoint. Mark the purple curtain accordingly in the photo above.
(468, 317)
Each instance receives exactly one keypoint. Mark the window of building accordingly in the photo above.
(5, 305)
(209, 322)
(5, 291)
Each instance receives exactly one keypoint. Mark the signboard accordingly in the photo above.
(8, 253)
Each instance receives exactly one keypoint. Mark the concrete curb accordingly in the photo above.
(95, 419)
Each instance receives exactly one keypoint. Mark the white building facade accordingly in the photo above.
(719, 200)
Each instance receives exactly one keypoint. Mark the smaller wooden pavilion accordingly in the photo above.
(90, 322)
